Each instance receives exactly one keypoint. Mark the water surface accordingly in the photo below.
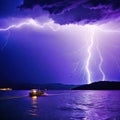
(60, 105)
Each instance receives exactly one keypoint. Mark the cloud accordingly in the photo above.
(74, 11)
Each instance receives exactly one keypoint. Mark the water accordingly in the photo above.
(60, 105)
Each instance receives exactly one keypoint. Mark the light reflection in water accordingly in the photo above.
(90, 105)
(95, 105)
(34, 98)
(34, 108)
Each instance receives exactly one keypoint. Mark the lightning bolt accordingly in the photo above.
(99, 52)
(6, 42)
(89, 50)
(32, 22)
(100, 64)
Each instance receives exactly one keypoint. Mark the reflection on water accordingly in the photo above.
(62, 105)
(99, 104)
(93, 105)
(34, 107)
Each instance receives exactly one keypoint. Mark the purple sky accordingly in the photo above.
(57, 52)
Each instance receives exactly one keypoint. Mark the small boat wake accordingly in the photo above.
(12, 97)
(57, 94)
(43, 94)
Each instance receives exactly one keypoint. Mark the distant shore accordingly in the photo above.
(101, 85)
(29, 86)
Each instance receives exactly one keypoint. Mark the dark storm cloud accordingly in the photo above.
(113, 4)
(72, 11)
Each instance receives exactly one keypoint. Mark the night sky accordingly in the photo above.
(59, 41)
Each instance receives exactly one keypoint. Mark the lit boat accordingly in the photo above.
(36, 92)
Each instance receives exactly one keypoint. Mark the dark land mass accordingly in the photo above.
(101, 85)
(29, 86)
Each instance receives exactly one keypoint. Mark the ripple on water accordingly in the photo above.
(113, 118)
(71, 107)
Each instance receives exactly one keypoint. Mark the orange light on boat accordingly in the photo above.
(34, 91)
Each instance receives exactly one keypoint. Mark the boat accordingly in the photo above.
(37, 93)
